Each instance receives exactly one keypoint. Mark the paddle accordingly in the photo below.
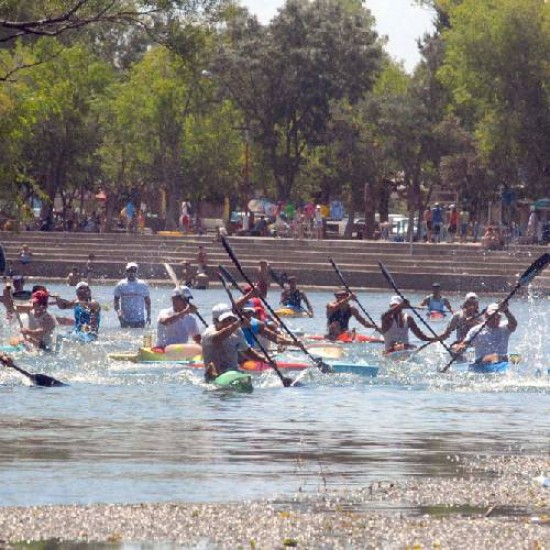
(319, 363)
(277, 277)
(390, 280)
(229, 278)
(174, 279)
(343, 281)
(287, 382)
(529, 274)
(36, 379)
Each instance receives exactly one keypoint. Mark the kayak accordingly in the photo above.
(489, 368)
(436, 316)
(348, 337)
(355, 368)
(12, 349)
(289, 311)
(174, 353)
(259, 366)
(326, 350)
(235, 381)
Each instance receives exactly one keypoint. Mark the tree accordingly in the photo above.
(496, 69)
(165, 136)
(52, 133)
(66, 20)
(285, 76)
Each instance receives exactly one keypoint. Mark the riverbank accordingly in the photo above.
(493, 502)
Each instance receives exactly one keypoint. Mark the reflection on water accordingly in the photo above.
(124, 432)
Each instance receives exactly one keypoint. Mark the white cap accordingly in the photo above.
(131, 265)
(219, 309)
(182, 291)
(396, 300)
(226, 315)
(492, 308)
(82, 284)
(471, 296)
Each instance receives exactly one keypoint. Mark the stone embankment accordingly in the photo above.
(458, 267)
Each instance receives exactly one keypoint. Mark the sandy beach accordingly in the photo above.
(490, 503)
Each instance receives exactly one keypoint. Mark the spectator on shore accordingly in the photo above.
(491, 240)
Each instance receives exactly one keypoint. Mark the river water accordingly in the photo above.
(128, 433)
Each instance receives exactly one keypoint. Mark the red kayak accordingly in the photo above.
(348, 337)
(436, 316)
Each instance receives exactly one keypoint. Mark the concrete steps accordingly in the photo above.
(457, 267)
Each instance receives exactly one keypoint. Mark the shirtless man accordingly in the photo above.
(396, 325)
(339, 313)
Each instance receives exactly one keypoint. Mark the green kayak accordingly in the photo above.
(234, 380)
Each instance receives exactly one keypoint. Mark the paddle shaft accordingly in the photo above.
(390, 280)
(228, 277)
(271, 362)
(529, 274)
(174, 279)
(318, 363)
(346, 286)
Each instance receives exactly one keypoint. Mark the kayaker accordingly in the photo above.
(223, 341)
(41, 322)
(490, 340)
(178, 324)
(465, 319)
(260, 329)
(87, 312)
(395, 326)
(132, 300)
(339, 313)
(436, 302)
(292, 297)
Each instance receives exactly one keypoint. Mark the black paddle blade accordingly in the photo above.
(387, 276)
(534, 269)
(325, 368)
(45, 380)
(277, 277)
(228, 277)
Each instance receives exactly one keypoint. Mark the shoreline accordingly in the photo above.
(493, 502)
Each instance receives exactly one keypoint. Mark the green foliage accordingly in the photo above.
(284, 77)
(496, 68)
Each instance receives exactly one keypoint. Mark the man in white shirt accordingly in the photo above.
(132, 301)
(490, 340)
(178, 324)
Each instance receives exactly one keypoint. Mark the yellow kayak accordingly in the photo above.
(291, 312)
(171, 353)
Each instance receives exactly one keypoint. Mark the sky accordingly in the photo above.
(399, 20)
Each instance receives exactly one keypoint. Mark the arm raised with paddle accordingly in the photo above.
(287, 382)
(319, 363)
(528, 275)
(345, 284)
(174, 279)
(436, 336)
